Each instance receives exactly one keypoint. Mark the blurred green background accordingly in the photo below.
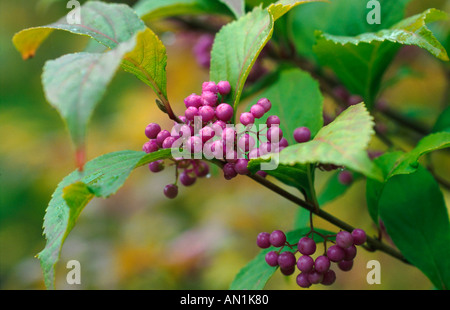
(138, 239)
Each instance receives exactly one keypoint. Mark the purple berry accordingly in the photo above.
(273, 120)
(228, 171)
(171, 191)
(219, 123)
(329, 277)
(152, 130)
(265, 148)
(168, 142)
(193, 100)
(150, 146)
(306, 246)
(344, 239)
(257, 110)
(247, 118)
(263, 240)
(206, 133)
(156, 166)
(224, 112)
(210, 86)
(359, 236)
(162, 135)
(322, 264)
(345, 265)
(209, 98)
(350, 253)
(186, 179)
(265, 103)
(229, 135)
(277, 238)
(315, 277)
(207, 113)
(254, 154)
(190, 113)
(272, 258)
(194, 144)
(202, 169)
(283, 143)
(286, 260)
(302, 280)
(274, 134)
(241, 166)
(287, 271)
(302, 134)
(335, 253)
(246, 143)
(305, 263)
(345, 177)
(224, 87)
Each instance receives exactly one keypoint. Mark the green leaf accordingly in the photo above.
(101, 177)
(334, 189)
(399, 163)
(109, 24)
(151, 9)
(297, 100)
(295, 175)
(75, 83)
(257, 272)
(340, 17)
(443, 121)
(337, 144)
(148, 62)
(413, 211)
(238, 44)
(360, 62)
(236, 6)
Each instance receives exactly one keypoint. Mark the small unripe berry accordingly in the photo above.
(209, 98)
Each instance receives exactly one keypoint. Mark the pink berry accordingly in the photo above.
(359, 236)
(302, 134)
(207, 113)
(152, 130)
(224, 112)
(273, 120)
(209, 98)
(193, 100)
(265, 103)
(224, 87)
(190, 113)
(247, 118)
(210, 86)
(274, 134)
(257, 110)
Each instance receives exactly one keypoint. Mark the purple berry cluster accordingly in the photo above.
(312, 270)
